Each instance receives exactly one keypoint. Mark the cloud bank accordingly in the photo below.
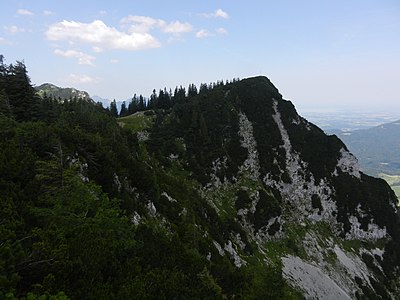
(100, 35)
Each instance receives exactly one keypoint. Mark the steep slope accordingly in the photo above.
(296, 196)
(226, 194)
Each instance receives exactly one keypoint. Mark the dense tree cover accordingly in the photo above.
(164, 99)
(89, 210)
(84, 214)
(203, 130)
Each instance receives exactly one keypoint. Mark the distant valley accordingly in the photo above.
(374, 138)
(337, 120)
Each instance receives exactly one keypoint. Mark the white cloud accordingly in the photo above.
(14, 29)
(219, 13)
(76, 79)
(83, 58)
(100, 35)
(114, 61)
(143, 24)
(24, 12)
(203, 33)
(177, 27)
(48, 13)
(103, 12)
(221, 30)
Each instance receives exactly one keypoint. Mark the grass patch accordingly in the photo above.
(396, 189)
(138, 121)
(393, 181)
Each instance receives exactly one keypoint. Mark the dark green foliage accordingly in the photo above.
(113, 108)
(243, 200)
(124, 110)
(316, 202)
(267, 207)
(63, 231)
(267, 283)
(90, 212)
(17, 96)
(309, 141)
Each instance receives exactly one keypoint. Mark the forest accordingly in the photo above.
(76, 213)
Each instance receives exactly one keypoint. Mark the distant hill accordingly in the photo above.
(106, 102)
(348, 119)
(67, 93)
(377, 148)
(59, 92)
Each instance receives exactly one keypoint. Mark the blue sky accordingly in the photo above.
(318, 53)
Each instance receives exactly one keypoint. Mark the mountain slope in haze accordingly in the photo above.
(52, 90)
(224, 193)
(377, 148)
(106, 102)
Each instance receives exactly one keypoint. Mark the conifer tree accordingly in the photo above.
(20, 94)
(124, 111)
(142, 104)
(113, 108)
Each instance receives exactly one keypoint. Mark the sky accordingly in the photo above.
(318, 53)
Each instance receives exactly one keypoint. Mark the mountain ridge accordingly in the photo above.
(52, 90)
(222, 192)
(307, 170)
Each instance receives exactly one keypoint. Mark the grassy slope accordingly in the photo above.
(393, 181)
(137, 122)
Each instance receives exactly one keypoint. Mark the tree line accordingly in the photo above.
(163, 99)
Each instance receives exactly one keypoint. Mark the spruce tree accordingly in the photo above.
(22, 96)
(113, 108)
(124, 111)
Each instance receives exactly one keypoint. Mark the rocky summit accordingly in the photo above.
(293, 196)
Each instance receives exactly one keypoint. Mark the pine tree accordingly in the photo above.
(142, 104)
(153, 103)
(22, 96)
(124, 111)
(192, 90)
(113, 108)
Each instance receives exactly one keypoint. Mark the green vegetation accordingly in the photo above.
(138, 121)
(50, 90)
(89, 210)
(89, 213)
(393, 181)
